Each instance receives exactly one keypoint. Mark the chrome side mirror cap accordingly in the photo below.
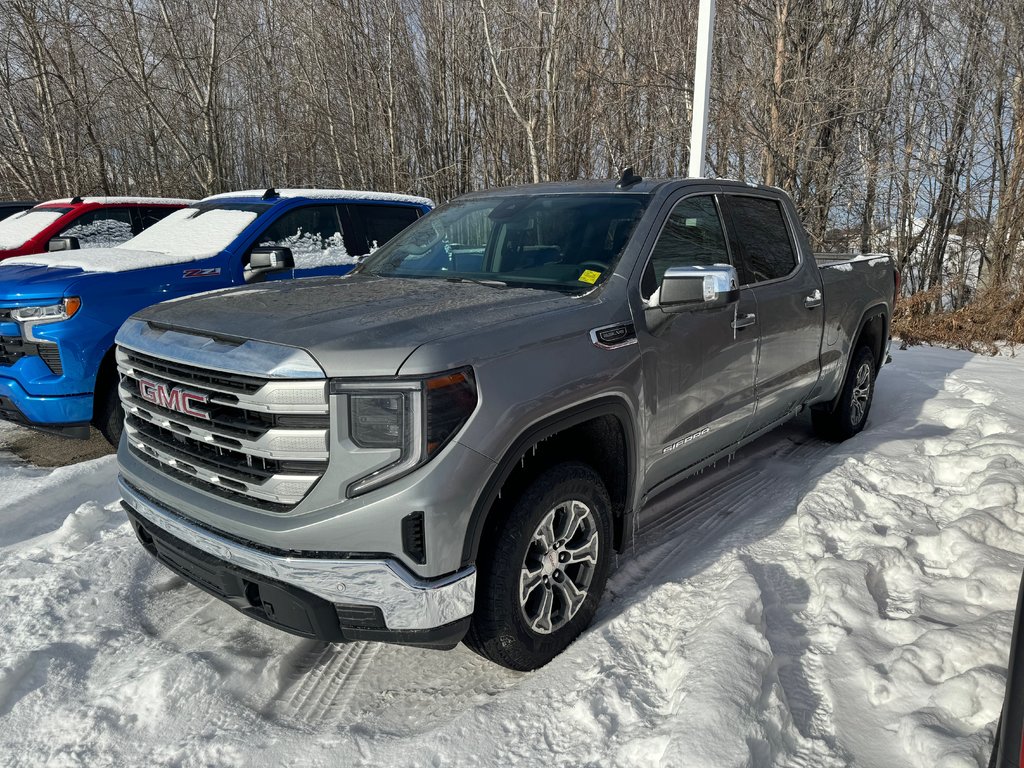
(694, 288)
(263, 261)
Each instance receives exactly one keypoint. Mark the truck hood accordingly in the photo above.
(96, 272)
(42, 276)
(358, 325)
(22, 282)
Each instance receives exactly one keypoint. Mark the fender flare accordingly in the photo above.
(607, 405)
(869, 314)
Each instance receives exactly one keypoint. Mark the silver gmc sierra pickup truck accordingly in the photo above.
(452, 442)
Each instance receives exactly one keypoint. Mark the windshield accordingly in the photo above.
(18, 229)
(564, 242)
(197, 231)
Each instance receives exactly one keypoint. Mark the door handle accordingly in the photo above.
(742, 321)
(814, 300)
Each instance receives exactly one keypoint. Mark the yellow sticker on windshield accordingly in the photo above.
(590, 276)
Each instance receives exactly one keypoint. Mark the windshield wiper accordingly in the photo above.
(488, 283)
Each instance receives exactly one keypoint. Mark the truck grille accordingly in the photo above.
(13, 349)
(259, 441)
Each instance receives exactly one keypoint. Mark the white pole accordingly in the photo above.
(701, 83)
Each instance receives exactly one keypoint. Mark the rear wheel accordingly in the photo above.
(851, 412)
(541, 579)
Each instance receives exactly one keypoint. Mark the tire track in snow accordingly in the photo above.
(433, 687)
(798, 665)
(396, 688)
(322, 681)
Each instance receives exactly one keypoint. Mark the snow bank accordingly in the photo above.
(16, 230)
(319, 194)
(807, 605)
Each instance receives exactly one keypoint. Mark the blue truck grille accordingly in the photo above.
(14, 348)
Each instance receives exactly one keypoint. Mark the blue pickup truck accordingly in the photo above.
(59, 311)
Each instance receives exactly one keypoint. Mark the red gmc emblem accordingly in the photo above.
(174, 398)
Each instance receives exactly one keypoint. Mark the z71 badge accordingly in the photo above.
(208, 272)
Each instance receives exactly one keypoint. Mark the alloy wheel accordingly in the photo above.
(559, 566)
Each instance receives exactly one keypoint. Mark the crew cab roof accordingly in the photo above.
(610, 186)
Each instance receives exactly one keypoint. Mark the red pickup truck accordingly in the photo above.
(86, 222)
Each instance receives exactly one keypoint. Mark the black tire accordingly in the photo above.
(851, 412)
(108, 416)
(500, 630)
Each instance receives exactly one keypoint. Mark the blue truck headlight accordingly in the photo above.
(412, 418)
(29, 317)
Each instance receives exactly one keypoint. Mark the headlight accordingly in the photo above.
(30, 317)
(378, 421)
(408, 421)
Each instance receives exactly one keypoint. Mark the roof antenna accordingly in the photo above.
(270, 194)
(76, 199)
(628, 179)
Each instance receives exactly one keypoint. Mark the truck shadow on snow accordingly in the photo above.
(364, 687)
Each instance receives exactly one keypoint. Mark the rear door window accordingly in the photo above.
(379, 223)
(101, 228)
(759, 228)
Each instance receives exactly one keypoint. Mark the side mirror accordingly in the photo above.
(263, 261)
(690, 288)
(63, 244)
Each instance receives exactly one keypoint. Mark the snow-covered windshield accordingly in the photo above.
(196, 232)
(562, 242)
(18, 229)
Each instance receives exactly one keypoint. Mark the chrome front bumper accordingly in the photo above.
(406, 602)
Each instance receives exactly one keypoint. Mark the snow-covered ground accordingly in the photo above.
(810, 605)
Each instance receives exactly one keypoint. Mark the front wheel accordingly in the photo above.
(851, 412)
(541, 579)
(109, 415)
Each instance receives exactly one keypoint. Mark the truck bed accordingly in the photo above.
(851, 283)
